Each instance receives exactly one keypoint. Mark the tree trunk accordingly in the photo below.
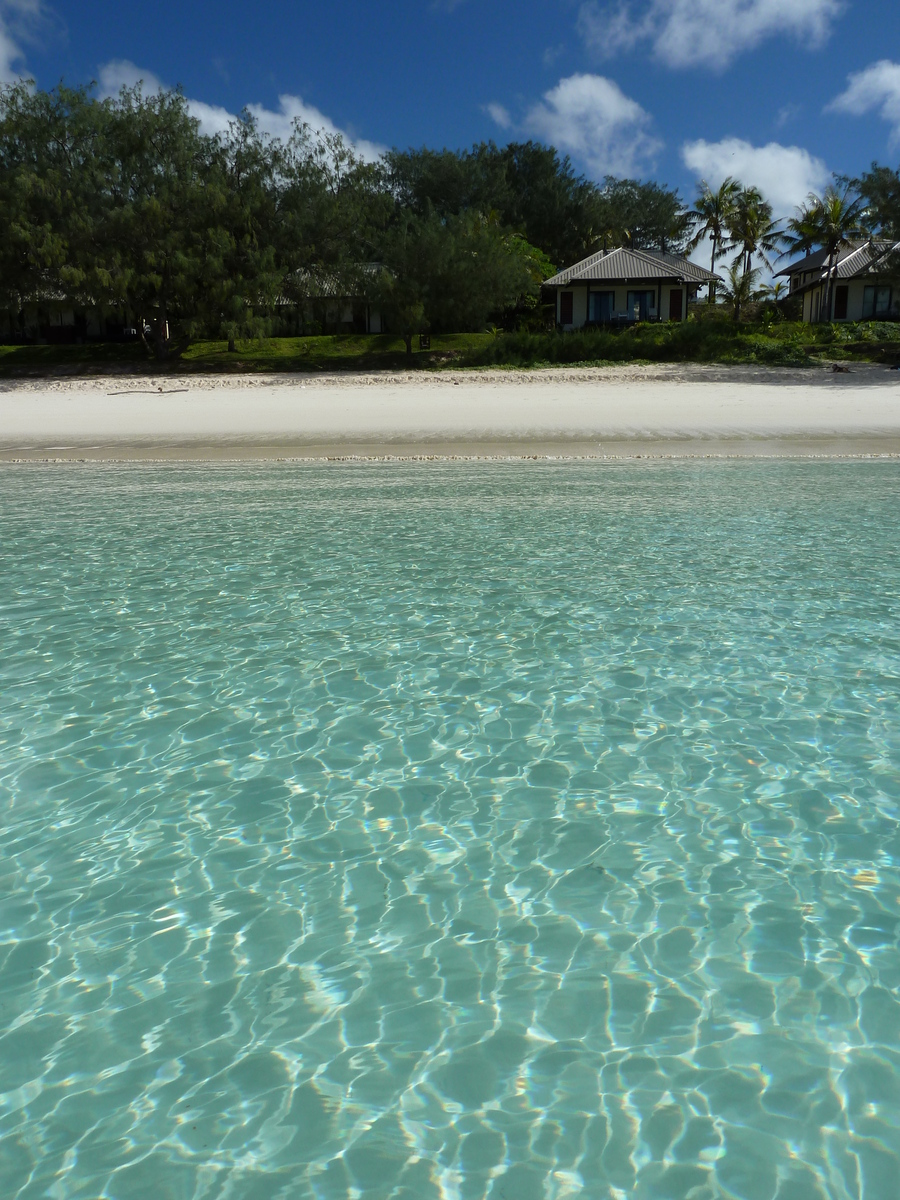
(232, 348)
(162, 349)
(711, 298)
(408, 337)
(829, 288)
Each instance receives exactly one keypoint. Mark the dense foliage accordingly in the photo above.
(880, 187)
(124, 205)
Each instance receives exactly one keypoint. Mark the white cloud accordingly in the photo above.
(784, 174)
(591, 118)
(214, 119)
(786, 114)
(119, 73)
(19, 21)
(712, 32)
(499, 115)
(291, 108)
(877, 88)
(10, 54)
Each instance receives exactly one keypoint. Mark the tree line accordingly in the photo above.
(737, 220)
(124, 205)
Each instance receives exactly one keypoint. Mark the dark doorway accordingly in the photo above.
(565, 308)
(840, 302)
(675, 309)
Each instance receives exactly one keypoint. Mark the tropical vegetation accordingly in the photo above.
(122, 204)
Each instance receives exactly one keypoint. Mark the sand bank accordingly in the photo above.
(598, 412)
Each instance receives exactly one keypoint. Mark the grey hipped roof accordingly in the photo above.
(624, 264)
(817, 259)
(867, 259)
(863, 258)
(322, 284)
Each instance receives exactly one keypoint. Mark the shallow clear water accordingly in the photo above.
(508, 830)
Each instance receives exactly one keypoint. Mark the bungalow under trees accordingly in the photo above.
(865, 284)
(621, 286)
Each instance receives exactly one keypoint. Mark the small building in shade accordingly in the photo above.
(55, 319)
(622, 286)
(866, 283)
(324, 301)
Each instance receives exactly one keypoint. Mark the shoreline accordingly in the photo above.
(149, 382)
(223, 454)
(605, 413)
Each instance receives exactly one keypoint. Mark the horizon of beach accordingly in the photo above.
(669, 410)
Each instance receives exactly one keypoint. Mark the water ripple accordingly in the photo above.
(463, 831)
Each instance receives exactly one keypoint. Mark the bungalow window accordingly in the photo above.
(640, 303)
(876, 302)
(602, 307)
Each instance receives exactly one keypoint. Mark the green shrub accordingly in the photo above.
(704, 340)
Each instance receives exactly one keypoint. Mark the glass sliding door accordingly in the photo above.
(640, 305)
(876, 302)
(602, 307)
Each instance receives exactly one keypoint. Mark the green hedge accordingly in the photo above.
(689, 341)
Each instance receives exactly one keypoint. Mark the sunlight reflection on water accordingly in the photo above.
(450, 830)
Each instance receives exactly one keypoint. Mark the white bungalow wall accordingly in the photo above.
(815, 298)
(580, 300)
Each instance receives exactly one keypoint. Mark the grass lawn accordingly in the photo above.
(704, 340)
(339, 352)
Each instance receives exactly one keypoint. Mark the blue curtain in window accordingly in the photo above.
(602, 306)
(643, 302)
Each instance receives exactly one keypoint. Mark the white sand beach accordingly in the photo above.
(598, 412)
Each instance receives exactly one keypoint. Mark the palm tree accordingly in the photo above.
(739, 288)
(752, 230)
(711, 217)
(801, 235)
(831, 221)
(773, 291)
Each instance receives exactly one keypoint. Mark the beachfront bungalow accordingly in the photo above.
(55, 320)
(333, 302)
(619, 287)
(866, 283)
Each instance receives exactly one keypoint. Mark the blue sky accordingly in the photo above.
(779, 92)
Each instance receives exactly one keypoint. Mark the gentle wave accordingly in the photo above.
(450, 830)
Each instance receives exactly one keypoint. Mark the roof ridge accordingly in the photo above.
(662, 263)
(885, 247)
(650, 254)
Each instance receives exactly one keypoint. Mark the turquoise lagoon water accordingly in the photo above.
(492, 830)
